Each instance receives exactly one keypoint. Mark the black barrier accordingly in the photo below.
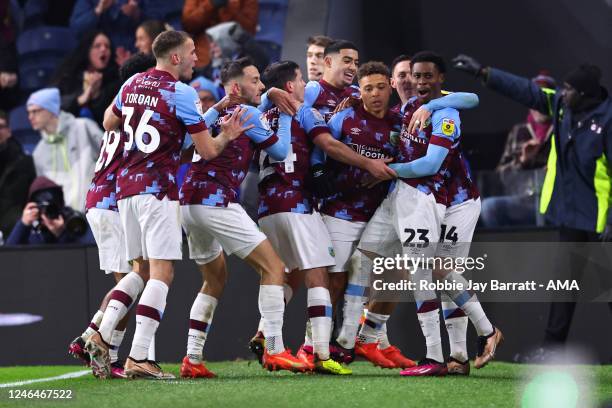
(64, 286)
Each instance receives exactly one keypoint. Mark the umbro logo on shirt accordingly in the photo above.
(355, 131)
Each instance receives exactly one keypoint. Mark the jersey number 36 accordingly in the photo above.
(142, 129)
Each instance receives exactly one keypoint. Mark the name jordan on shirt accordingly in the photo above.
(140, 99)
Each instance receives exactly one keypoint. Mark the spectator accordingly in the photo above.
(9, 92)
(163, 10)
(46, 219)
(198, 15)
(88, 79)
(146, 33)
(271, 26)
(117, 18)
(208, 92)
(577, 189)
(37, 13)
(526, 148)
(69, 146)
(16, 174)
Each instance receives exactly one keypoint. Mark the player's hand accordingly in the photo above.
(606, 235)
(227, 102)
(418, 120)
(56, 226)
(379, 170)
(283, 101)
(348, 102)
(30, 214)
(235, 124)
(321, 180)
(467, 64)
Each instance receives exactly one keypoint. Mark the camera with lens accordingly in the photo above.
(74, 221)
(49, 199)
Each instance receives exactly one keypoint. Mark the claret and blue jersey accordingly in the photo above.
(371, 137)
(428, 152)
(217, 182)
(282, 186)
(324, 97)
(157, 111)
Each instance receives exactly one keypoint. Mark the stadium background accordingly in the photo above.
(64, 285)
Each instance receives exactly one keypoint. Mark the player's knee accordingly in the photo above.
(316, 277)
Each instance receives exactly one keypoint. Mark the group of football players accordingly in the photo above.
(342, 178)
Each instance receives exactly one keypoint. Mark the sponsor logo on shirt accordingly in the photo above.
(448, 126)
(370, 152)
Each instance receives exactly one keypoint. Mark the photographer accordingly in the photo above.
(46, 220)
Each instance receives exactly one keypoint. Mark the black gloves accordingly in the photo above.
(467, 64)
(606, 235)
(321, 181)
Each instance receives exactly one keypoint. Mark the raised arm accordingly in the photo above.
(445, 131)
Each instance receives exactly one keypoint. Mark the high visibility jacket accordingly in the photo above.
(577, 188)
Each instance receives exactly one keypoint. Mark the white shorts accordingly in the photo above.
(458, 229)
(213, 229)
(152, 227)
(108, 233)
(407, 221)
(345, 236)
(301, 240)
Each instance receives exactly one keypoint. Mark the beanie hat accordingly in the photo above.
(585, 79)
(46, 98)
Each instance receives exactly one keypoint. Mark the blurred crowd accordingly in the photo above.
(59, 70)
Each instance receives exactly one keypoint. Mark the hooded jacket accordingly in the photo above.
(578, 186)
(68, 157)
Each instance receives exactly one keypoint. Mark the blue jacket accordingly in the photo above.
(26, 235)
(578, 184)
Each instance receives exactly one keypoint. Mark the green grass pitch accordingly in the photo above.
(246, 384)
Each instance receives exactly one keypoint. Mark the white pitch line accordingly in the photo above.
(75, 374)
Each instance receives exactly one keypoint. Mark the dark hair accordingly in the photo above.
(4, 116)
(234, 69)
(168, 41)
(153, 28)
(279, 73)
(372, 68)
(335, 46)
(429, 56)
(398, 59)
(320, 40)
(138, 62)
(69, 72)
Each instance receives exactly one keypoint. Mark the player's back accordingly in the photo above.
(154, 133)
(102, 190)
